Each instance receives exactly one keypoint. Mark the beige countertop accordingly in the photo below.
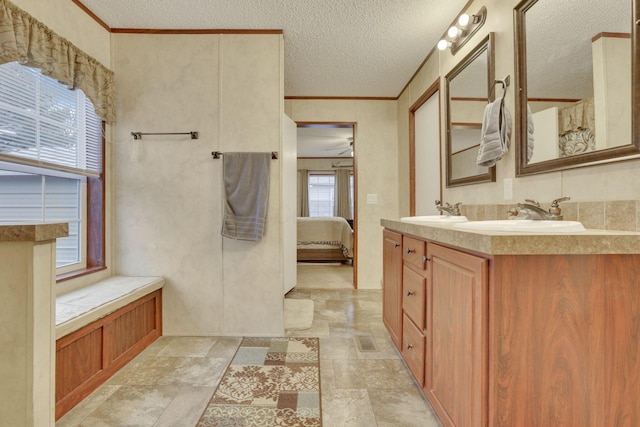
(33, 232)
(511, 243)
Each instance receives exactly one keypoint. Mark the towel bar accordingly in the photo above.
(217, 154)
(138, 135)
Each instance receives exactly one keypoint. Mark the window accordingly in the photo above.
(321, 194)
(352, 200)
(50, 148)
(34, 197)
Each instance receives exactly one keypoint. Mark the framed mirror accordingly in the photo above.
(468, 89)
(576, 73)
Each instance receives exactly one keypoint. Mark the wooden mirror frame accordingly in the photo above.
(608, 155)
(486, 45)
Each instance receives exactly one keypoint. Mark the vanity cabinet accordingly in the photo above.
(414, 291)
(392, 285)
(534, 338)
(456, 361)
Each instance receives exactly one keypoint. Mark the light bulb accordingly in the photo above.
(443, 44)
(453, 32)
(464, 19)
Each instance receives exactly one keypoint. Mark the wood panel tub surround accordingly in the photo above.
(89, 356)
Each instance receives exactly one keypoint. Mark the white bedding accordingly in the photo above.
(333, 231)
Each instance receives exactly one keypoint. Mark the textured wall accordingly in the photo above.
(376, 158)
(168, 202)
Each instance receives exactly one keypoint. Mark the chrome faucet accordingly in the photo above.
(532, 210)
(448, 209)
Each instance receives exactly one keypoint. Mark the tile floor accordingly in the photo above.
(171, 382)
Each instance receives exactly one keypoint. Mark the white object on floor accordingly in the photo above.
(298, 314)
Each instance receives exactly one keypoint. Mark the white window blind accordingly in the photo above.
(42, 123)
(321, 194)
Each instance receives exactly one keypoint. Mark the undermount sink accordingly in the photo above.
(435, 218)
(524, 225)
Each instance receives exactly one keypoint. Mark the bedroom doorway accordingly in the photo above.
(327, 204)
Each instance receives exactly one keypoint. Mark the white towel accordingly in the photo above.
(246, 187)
(496, 130)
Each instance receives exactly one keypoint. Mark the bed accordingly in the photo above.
(326, 239)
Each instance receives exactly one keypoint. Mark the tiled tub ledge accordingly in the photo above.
(99, 329)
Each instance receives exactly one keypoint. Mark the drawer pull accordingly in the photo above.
(411, 251)
(395, 245)
(409, 346)
(425, 259)
(409, 293)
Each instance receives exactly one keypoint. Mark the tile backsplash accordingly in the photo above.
(622, 215)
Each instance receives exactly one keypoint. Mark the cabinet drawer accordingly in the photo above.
(413, 295)
(413, 252)
(413, 349)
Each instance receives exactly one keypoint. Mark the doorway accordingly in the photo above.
(327, 201)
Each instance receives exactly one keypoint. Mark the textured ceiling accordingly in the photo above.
(325, 141)
(559, 33)
(332, 48)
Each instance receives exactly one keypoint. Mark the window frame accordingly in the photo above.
(95, 224)
(92, 217)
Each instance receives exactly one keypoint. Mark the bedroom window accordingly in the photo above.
(50, 149)
(321, 194)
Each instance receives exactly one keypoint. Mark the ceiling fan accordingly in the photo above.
(345, 150)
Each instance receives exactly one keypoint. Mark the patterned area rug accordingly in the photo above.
(270, 382)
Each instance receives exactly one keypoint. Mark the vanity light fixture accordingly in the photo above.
(454, 32)
(459, 33)
(444, 44)
(463, 20)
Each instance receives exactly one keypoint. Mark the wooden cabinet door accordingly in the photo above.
(392, 285)
(456, 361)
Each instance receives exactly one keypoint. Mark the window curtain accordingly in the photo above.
(343, 194)
(29, 42)
(303, 192)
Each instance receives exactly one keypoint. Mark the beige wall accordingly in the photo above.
(167, 207)
(615, 181)
(168, 203)
(376, 160)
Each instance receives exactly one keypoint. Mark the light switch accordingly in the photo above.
(372, 199)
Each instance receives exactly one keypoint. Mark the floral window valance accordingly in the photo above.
(29, 42)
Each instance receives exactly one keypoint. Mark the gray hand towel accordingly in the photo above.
(530, 129)
(496, 130)
(246, 187)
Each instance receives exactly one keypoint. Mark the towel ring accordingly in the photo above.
(506, 82)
